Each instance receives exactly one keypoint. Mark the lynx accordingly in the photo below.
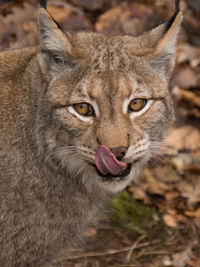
(80, 116)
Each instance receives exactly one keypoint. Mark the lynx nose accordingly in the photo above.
(119, 152)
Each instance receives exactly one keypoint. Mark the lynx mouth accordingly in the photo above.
(107, 163)
(111, 177)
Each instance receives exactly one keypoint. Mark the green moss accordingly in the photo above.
(132, 215)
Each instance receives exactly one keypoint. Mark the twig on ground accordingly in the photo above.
(110, 252)
(135, 244)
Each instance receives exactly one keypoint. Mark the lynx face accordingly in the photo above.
(106, 106)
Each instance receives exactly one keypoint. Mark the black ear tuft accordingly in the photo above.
(177, 10)
(177, 5)
(43, 4)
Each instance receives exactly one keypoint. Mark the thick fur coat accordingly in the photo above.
(50, 190)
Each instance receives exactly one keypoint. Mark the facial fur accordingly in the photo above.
(108, 76)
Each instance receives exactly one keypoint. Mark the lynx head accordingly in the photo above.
(105, 105)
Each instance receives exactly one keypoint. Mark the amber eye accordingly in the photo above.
(137, 104)
(84, 109)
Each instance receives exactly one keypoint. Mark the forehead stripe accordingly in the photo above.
(89, 100)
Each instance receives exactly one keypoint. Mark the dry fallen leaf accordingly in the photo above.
(68, 16)
(181, 258)
(128, 18)
(186, 137)
(195, 213)
(181, 160)
(197, 222)
(189, 191)
(91, 232)
(171, 195)
(186, 78)
(188, 53)
(154, 186)
(138, 193)
(14, 33)
(166, 174)
(170, 220)
(89, 4)
(187, 96)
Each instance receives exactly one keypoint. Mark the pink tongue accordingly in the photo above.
(106, 161)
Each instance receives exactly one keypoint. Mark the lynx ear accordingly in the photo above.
(52, 38)
(163, 56)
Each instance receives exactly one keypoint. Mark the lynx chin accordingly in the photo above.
(80, 116)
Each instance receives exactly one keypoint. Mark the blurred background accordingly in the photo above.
(155, 222)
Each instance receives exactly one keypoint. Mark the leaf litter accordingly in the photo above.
(156, 221)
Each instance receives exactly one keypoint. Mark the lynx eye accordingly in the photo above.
(137, 104)
(84, 109)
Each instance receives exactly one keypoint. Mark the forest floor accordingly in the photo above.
(155, 222)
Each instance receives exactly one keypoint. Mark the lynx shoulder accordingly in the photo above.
(80, 116)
